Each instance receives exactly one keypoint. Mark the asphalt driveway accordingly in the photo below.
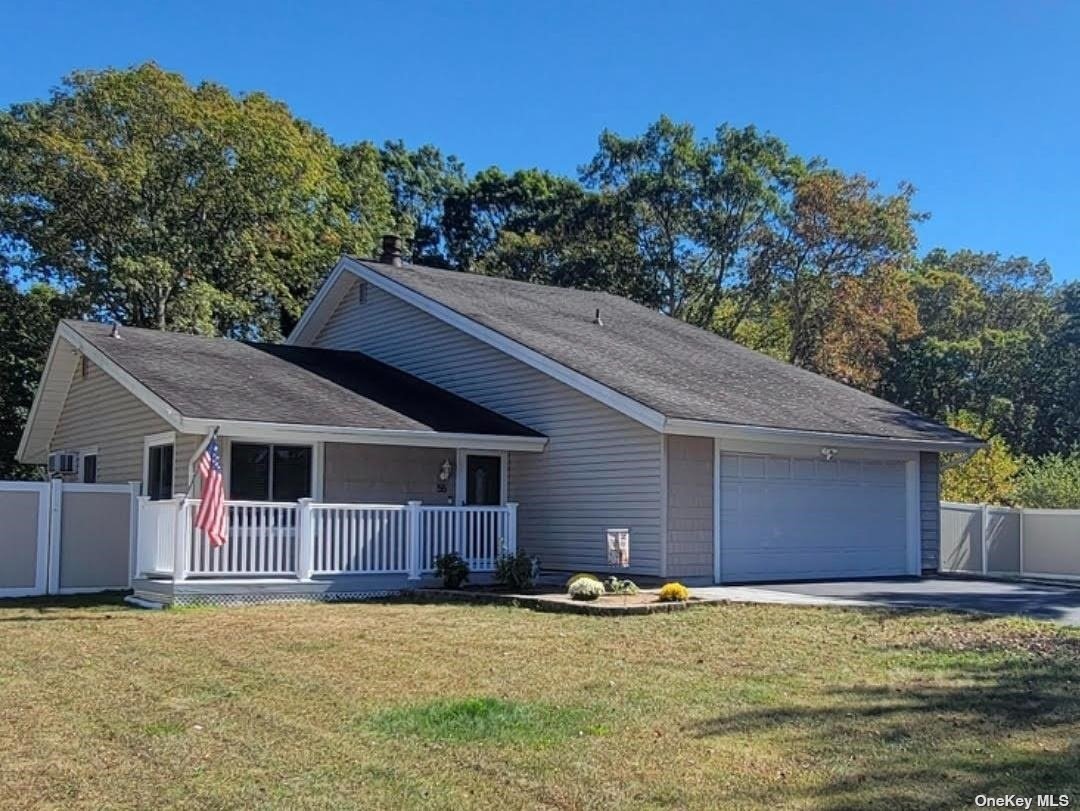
(1057, 603)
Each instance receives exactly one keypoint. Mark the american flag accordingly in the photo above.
(211, 517)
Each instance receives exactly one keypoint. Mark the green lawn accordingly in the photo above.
(457, 706)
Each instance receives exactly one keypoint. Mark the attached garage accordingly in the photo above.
(802, 516)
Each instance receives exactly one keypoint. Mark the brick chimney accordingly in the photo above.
(391, 250)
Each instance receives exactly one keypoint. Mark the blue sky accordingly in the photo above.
(976, 103)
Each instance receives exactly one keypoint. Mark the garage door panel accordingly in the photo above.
(793, 518)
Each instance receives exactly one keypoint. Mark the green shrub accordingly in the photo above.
(1052, 483)
(453, 569)
(674, 593)
(518, 571)
(586, 588)
(616, 586)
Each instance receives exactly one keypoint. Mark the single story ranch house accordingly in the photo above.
(415, 411)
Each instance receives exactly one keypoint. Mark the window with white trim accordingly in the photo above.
(159, 471)
(262, 472)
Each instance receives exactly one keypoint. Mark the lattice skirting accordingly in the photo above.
(251, 598)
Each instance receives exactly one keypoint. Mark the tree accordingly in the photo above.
(697, 210)
(867, 316)
(987, 476)
(840, 242)
(1055, 380)
(27, 322)
(1052, 482)
(420, 181)
(494, 203)
(990, 344)
(167, 205)
(537, 227)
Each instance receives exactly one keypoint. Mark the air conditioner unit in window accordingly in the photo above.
(62, 463)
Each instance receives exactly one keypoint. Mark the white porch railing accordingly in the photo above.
(360, 538)
(300, 540)
(475, 533)
(156, 535)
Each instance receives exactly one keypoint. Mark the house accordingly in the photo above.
(414, 411)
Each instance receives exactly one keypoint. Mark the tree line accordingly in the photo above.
(132, 195)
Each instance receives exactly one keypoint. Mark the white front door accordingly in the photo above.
(793, 518)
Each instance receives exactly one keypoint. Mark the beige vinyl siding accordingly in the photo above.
(99, 412)
(930, 509)
(690, 516)
(600, 470)
(385, 474)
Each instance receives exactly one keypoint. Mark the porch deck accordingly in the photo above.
(311, 550)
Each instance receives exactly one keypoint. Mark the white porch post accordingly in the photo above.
(412, 535)
(182, 541)
(136, 519)
(511, 527)
(140, 529)
(305, 551)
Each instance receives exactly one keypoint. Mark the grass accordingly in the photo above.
(462, 706)
(482, 719)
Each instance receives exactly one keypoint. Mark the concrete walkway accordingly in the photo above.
(1059, 604)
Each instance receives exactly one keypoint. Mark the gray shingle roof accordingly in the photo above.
(222, 379)
(672, 367)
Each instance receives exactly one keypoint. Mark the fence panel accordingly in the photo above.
(1051, 545)
(1002, 540)
(961, 538)
(1021, 542)
(24, 538)
(95, 537)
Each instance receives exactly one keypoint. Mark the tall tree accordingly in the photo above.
(420, 181)
(988, 345)
(168, 205)
(697, 209)
(840, 242)
(27, 322)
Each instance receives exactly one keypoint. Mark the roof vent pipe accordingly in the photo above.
(596, 318)
(391, 250)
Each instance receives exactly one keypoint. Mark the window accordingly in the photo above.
(159, 471)
(269, 472)
(89, 468)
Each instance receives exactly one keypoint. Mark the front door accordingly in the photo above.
(483, 479)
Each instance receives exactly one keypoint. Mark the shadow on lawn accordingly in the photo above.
(59, 606)
(957, 724)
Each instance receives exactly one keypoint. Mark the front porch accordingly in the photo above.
(309, 549)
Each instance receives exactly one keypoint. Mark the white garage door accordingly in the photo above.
(786, 518)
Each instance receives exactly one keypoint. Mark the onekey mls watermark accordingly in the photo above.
(1020, 801)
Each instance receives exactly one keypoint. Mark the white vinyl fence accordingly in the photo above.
(982, 539)
(58, 538)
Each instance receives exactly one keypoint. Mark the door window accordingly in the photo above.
(483, 480)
